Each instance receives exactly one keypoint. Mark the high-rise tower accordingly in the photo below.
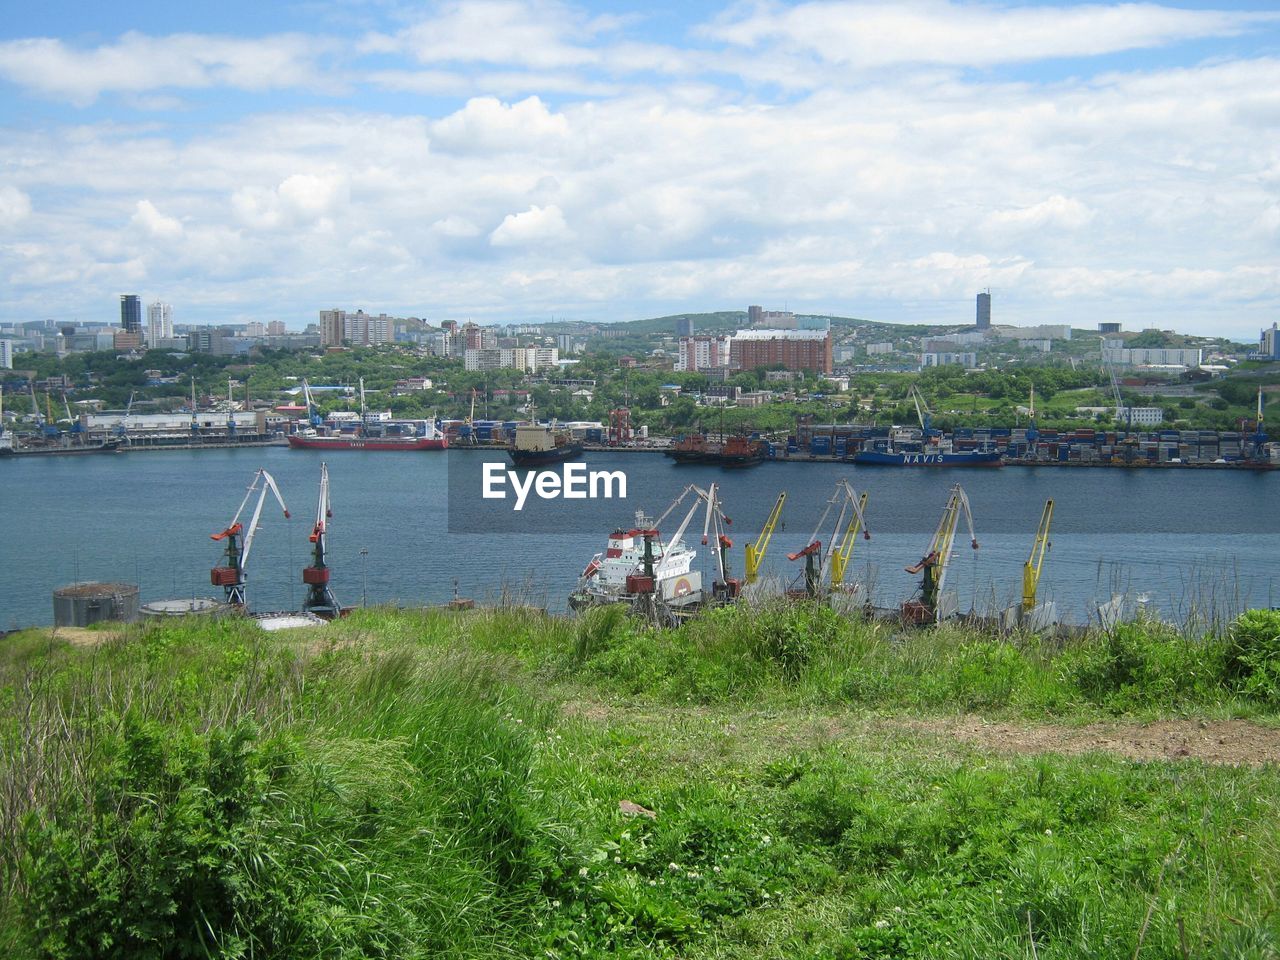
(984, 310)
(131, 313)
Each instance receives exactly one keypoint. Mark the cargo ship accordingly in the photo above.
(425, 436)
(537, 445)
(651, 575)
(927, 457)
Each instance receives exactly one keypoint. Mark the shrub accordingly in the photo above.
(1253, 655)
(1145, 664)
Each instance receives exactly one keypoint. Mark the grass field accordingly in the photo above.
(773, 782)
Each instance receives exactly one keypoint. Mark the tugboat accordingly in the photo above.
(690, 448)
(735, 451)
(654, 577)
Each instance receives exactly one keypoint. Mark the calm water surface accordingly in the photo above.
(1181, 538)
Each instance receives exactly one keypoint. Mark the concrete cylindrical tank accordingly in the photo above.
(84, 603)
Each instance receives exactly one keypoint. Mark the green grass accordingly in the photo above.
(448, 784)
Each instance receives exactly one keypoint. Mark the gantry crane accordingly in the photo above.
(231, 576)
(756, 551)
(849, 520)
(1035, 560)
(933, 565)
(320, 599)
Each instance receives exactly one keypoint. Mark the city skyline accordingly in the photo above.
(508, 161)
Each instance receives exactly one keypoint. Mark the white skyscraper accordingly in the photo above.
(159, 323)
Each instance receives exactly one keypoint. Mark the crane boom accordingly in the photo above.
(756, 551)
(232, 576)
(1035, 560)
(849, 521)
(841, 553)
(934, 563)
(320, 599)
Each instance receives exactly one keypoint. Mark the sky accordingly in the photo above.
(523, 161)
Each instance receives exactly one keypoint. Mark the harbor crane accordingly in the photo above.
(122, 428)
(313, 414)
(849, 521)
(231, 577)
(714, 526)
(231, 412)
(841, 552)
(320, 599)
(923, 413)
(756, 551)
(1035, 560)
(1259, 431)
(1122, 410)
(933, 565)
(76, 427)
(1033, 434)
(50, 429)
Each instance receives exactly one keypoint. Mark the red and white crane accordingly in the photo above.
(231, 576)
(320, 599)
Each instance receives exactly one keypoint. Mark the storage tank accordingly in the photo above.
(84, 603)
(181, 608)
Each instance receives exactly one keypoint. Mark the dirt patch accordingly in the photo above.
(1234, 742)
(83, 636)
(1228, 742)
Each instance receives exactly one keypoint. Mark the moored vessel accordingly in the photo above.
(538, 444)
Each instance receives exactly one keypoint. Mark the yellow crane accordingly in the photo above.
(933, 565)
(844, 550)
(1035, 560)
(849, 520)
(756, 551)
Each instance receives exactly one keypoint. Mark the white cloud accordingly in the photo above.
(300, 199)
(1056, 212)
(857, 195)
(15, 206)
(487, 125)
(534, 227)
(509, 32)
(155, 223)
(875, 34)
(138, 63)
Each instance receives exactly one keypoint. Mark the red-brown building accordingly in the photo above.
(791, 349)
